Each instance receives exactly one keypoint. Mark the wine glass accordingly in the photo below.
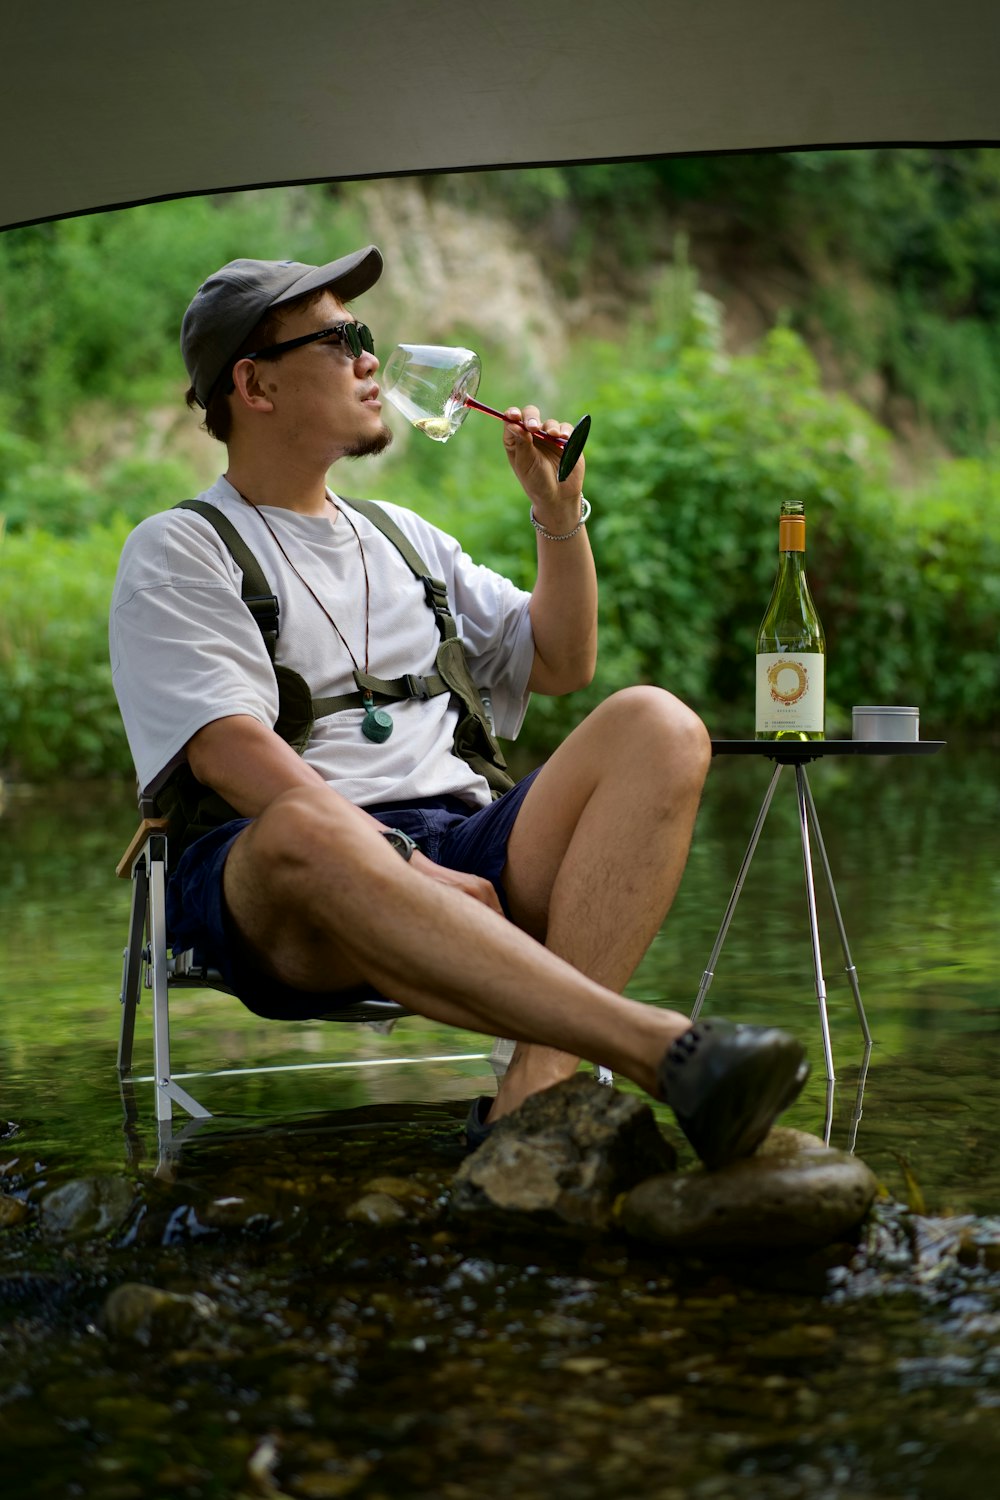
(434, 386)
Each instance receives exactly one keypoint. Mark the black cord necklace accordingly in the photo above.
(377, 724)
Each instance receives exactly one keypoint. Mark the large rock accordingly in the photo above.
(795, 1193)
(563, 1157)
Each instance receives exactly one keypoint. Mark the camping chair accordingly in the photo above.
(148, 963)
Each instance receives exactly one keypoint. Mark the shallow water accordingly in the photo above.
(426, 1359)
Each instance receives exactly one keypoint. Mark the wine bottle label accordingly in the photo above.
(789, 691)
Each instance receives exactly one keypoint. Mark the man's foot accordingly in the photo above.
(476, 1128)
(728, 1083)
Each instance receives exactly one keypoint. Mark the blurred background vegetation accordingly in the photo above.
(822, 325)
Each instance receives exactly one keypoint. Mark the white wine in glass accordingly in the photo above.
(434, 386)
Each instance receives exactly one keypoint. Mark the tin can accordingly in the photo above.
(879, 721)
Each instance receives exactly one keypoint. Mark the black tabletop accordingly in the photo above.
(797, 752)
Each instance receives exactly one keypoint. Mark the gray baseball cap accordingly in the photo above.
(233, 301)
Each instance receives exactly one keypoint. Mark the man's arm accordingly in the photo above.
(247, 763)
(563, 605)
(250, 766)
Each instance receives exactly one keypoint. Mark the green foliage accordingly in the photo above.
(691, 455)
(58, 714)
(91, 307)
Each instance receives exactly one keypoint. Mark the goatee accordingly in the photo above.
(370, 447)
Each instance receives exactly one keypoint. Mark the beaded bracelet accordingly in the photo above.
(550, 536)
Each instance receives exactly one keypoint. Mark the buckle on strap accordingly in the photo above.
(413, 685)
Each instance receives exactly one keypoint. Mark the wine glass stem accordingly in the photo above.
(491, 411)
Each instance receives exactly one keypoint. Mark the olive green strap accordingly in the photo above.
(254, 589)
(392, 691)
(435, 589)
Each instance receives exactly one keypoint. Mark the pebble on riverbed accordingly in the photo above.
(149, 1316)
(86, 1207)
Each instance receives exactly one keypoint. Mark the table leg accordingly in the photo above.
(824, 1020)
(852, 973)
(709, 974)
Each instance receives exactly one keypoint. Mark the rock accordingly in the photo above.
(781, 1198)
(86, 1207)
(979, 1244)
(151, 1316)
(784, 1141)
(12, 1211)
(378, 1209)
(563, 1157)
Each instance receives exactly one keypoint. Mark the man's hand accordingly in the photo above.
(536, 466)
(475, 886)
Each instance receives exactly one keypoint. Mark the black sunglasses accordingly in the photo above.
(357, 337)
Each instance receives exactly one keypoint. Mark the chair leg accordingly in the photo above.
(168, 1092)
(132, 964)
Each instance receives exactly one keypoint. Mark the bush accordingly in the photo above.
(58, 715)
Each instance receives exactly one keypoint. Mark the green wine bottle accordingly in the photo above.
(791, 649)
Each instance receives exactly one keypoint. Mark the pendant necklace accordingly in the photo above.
(377, 724)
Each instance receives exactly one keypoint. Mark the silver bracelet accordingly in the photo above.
(550, 536)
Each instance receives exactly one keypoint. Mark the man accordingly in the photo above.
(522, 916)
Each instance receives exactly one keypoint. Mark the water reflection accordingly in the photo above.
(917, 879)
(339, 1357)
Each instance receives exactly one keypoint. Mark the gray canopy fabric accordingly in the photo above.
(114, 102)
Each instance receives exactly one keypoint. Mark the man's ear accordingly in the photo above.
(249, 388)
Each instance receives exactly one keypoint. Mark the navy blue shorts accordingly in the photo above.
(448, 831)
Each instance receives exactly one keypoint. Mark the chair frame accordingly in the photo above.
(147, 963)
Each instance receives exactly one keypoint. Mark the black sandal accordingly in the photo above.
(727, 1084)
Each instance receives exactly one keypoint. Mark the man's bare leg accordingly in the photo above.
(326, 903)
(598, 850)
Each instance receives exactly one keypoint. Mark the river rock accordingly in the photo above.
(381, 1210)
(781, 1198)
(149, 1316)
(86, 1207)
(563, 1157)
(12, 1211)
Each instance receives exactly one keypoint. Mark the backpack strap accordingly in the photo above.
(254, 589)
(474, 740)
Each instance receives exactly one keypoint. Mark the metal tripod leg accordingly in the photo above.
(824, 1020)
(709, 974)
(852, 973)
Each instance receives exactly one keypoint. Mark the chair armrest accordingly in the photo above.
(148, 825)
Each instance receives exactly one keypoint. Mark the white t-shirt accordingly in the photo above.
(185, 649)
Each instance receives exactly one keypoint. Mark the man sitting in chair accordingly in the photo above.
(323, 755)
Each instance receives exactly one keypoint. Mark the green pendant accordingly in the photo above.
(376, 724)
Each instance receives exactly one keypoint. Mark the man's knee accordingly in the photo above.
(660, 724)
(302, 832)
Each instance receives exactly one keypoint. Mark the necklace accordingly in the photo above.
(377, 724)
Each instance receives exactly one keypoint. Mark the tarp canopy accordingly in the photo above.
(115, 102)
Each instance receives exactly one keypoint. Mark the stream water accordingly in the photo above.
(328, 1355)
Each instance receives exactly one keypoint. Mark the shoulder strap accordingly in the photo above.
(434, 588)
(254, 589)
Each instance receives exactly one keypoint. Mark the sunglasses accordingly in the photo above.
(357, 337)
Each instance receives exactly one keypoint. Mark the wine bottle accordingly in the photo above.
(791, 648)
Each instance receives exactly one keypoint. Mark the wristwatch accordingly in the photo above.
(400, 841)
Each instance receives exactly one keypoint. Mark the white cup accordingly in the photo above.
(879, 721)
